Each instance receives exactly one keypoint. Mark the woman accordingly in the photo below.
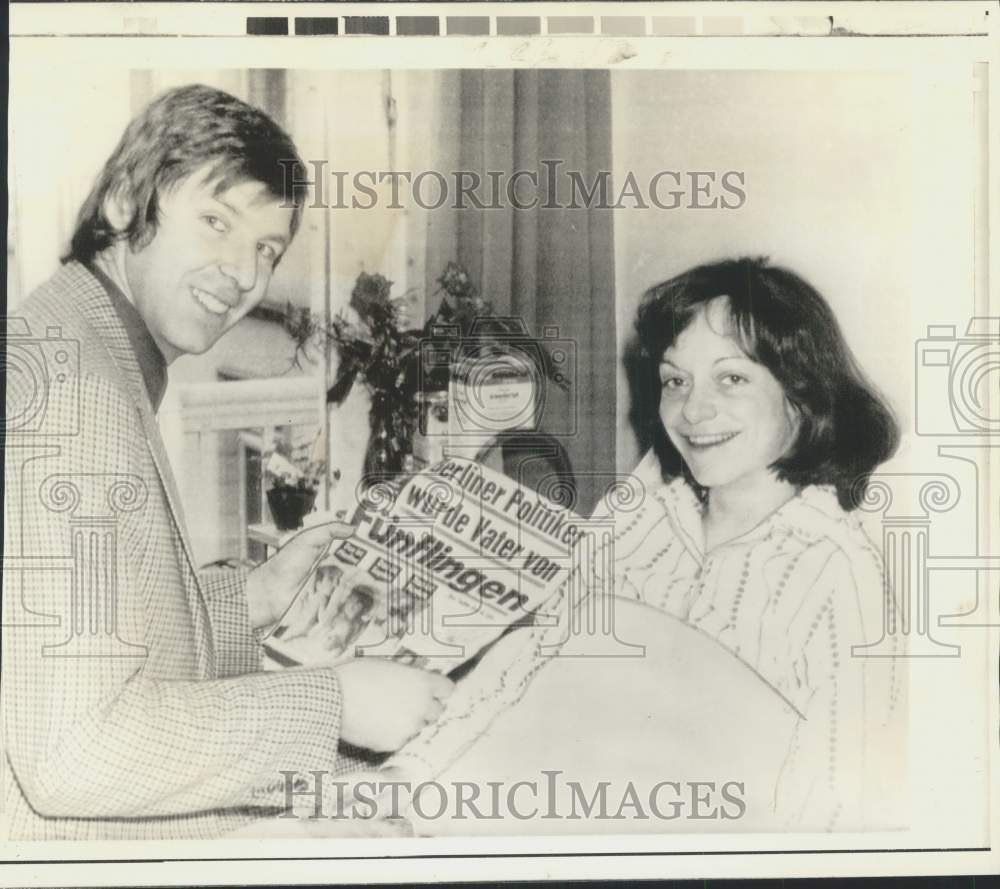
(765, 438)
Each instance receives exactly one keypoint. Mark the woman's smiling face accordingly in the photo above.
(725, 413)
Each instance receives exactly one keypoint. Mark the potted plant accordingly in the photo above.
(291, 489)
(377, 348)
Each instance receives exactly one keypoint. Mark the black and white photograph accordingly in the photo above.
(566, 436)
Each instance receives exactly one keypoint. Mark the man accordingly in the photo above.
(133, 701)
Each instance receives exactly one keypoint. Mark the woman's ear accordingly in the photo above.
(119, 209)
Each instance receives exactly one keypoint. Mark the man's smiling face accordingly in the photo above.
(209, 263)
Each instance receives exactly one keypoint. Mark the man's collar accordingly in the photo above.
(152, 364)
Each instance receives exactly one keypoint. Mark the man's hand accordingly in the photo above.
(271, 586)
(386, 704)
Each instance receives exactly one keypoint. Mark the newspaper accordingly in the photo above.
(439, 568)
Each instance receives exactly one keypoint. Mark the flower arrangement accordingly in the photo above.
(378, 349)
(461, 309)
(281, 472)
(375, 348)
(293, 482)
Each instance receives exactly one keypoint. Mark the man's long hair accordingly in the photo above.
(179, 132)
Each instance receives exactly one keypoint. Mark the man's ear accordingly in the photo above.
(119, 209)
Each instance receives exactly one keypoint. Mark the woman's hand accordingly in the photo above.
(271, 586)
(385, 704)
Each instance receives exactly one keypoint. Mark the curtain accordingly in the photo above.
(553, 267)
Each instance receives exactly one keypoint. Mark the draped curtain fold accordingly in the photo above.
(551, 266)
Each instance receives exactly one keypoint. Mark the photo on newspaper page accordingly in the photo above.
(550, 440)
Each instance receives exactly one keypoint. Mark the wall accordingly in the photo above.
(378, 121)
(49, 178)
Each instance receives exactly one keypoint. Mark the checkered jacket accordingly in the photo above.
(132, 702)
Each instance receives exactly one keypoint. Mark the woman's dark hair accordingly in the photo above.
(845, 427)
(175, 135)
